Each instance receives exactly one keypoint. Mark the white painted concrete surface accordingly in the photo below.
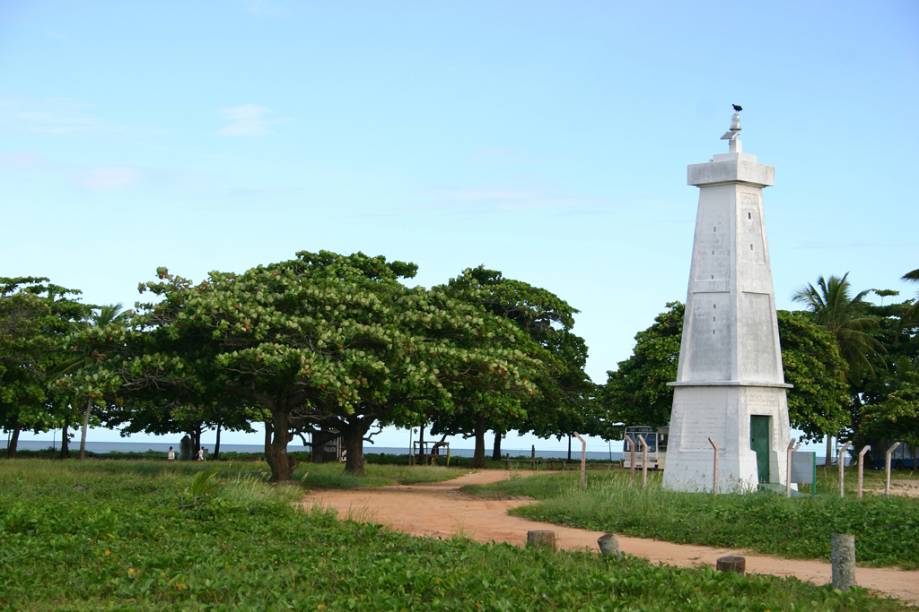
(730, 363)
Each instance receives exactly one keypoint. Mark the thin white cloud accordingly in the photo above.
(110, 178)
(246, 120)
(55, 117)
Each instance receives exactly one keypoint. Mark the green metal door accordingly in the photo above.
(759, 443)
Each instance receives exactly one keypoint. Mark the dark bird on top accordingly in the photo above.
(737, 107)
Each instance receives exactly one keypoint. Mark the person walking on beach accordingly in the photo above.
(171, 455)
(201, 454)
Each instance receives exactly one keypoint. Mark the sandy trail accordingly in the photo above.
(441, 510)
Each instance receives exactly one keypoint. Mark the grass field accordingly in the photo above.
(331, 475)
(132, 535)
(886, 528)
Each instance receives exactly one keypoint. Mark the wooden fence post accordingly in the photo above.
(732, 563)
(541, 538)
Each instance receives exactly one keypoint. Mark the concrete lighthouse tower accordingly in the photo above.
(730, 386)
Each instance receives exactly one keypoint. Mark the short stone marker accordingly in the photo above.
(732, 563)
(842, 556)
(541, 538)
(609, 546)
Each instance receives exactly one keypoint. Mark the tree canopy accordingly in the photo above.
(563, 390)
(637, 392)
(36, 320)
(322, 341)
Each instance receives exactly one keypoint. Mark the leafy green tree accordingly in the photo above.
(637, 392)
(888, 407)
(94, 344)
(36, 317)
(442, 349)
(321, 340)
(22, 345)
(564, 389)
(817, 404)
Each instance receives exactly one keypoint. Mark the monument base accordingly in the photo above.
(747, 421)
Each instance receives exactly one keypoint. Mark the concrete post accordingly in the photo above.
(714, 466)
(609, 546)
(541, 538)
(887, 457)
(843, 559)
(644, 461)
(792, 447)
(841, 462)
(631, 458)
(583, 460)
(732, 563)
(861, 470)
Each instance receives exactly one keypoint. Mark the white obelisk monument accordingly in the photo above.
(730, 386)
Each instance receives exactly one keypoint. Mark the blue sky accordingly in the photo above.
(546, 139)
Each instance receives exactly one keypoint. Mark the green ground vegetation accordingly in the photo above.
(138, 535)
(332, 476)
(886, 528)
(310, 475)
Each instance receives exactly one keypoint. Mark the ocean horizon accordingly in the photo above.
(162, 447)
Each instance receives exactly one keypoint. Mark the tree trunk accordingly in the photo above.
(569, 447)
(85, 429)
(353, 439)
(65, 441)
(478, 457)
(217, 443)
(281, 468)
(828, 460)
(268, 442)
(14, 443)
(496, 450)
(421, 445)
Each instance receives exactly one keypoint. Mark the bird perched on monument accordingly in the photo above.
(737, 107)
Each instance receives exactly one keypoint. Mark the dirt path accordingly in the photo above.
(440, 510)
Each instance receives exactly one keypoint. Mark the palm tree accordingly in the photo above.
(102, 317)
(847, 318)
